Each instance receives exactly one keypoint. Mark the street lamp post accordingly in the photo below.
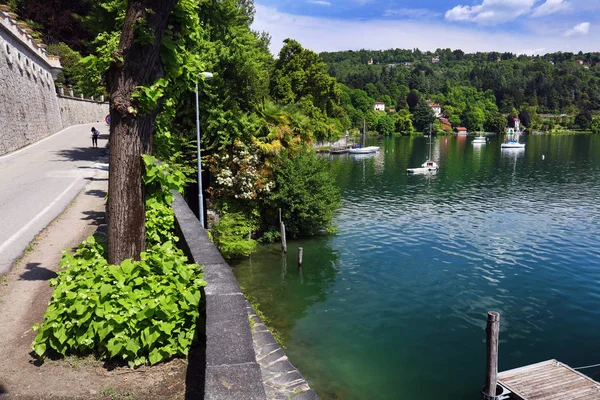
(205, 75)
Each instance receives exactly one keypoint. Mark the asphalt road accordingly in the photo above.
(38, 182)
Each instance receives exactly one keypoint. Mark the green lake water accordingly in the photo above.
(394, 305)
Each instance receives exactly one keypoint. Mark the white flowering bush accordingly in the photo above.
(238, 174)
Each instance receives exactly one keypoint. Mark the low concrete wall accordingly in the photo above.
(75, 111)
(232, 371)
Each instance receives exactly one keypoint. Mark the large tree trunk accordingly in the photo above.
(136, 64)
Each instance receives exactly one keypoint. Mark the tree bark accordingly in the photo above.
(137, 63)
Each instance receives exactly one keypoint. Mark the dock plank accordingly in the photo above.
(549, 380)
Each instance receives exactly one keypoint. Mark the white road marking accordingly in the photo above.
(14, 237)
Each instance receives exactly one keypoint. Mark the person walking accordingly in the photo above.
(95, 135)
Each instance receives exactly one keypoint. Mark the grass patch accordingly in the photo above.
(114, 394)
(570, 133)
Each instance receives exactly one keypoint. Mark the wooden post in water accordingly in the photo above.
(491, 372)
(283, 241)
(300, 251)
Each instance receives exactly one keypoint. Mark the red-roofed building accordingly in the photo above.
(437, 109)
(446, 125)
(379, 106)
(461, 130)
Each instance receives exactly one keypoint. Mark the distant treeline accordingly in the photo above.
(555, 83)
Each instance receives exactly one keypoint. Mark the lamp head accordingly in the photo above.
(206, 75)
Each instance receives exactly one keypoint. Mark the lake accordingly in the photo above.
(394, 306)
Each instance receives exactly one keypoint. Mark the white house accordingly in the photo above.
(437, 109)
(435, 60)
(379, 106)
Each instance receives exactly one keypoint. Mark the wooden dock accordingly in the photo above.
(548, 380)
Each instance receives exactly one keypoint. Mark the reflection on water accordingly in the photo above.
(394, 305)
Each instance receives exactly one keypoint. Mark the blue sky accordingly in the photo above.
(519, 26)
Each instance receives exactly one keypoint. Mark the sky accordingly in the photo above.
(518, 26)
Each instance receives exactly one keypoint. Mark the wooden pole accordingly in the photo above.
(491, 373)
(283, 241)
(300, 251)
(280, 216)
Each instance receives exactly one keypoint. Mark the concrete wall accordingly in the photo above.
(77, 111)
(28, 103)
(240, 364)
(30, 109)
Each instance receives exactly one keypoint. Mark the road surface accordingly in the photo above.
(38, 182)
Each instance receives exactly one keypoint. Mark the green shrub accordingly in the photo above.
(306, 192)
(231, 235)
(140, 311)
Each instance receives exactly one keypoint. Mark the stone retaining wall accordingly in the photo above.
(232, 370)
(30, 109)
(75, 111)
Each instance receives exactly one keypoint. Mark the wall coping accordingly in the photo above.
(80, 99)
(10, 26)
(232, 370)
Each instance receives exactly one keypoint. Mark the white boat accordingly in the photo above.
(512, 141)
(428, 167)
(362, 150)
(373, 148)
(479, 140)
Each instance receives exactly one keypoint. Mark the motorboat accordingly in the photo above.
(428, 167)
(362, 150)
(512, 144)
(512, 141)
(479, 140)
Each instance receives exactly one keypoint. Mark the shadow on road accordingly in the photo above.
(97, 193)
(82, 153)
(3, 391)
(36, 273)
(95, 217)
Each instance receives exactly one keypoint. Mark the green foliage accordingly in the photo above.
(232, 235)
(423, 115)
(595, 127)
(69, 59)
(138, 312)
(385, 124)
(305, 190)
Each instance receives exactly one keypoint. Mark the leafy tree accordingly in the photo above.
(497, 123)
(412, 99)
(136, 63)
(474, 119)
(423, 116)
(584, 120)
(385, 124)
(595, 126)
(403, 122)
(306, 192)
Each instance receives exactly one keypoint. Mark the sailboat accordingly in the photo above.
(364, 150)
(481, 139)
(512, 140)
(428, 167)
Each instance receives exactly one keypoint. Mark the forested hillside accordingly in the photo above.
(557, 83)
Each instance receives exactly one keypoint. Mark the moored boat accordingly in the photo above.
(428, 167)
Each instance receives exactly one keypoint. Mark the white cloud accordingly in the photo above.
(320, 2)
(328, 34)
(579, 29)
(410, 13)
(491, 12)
(551, 7)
